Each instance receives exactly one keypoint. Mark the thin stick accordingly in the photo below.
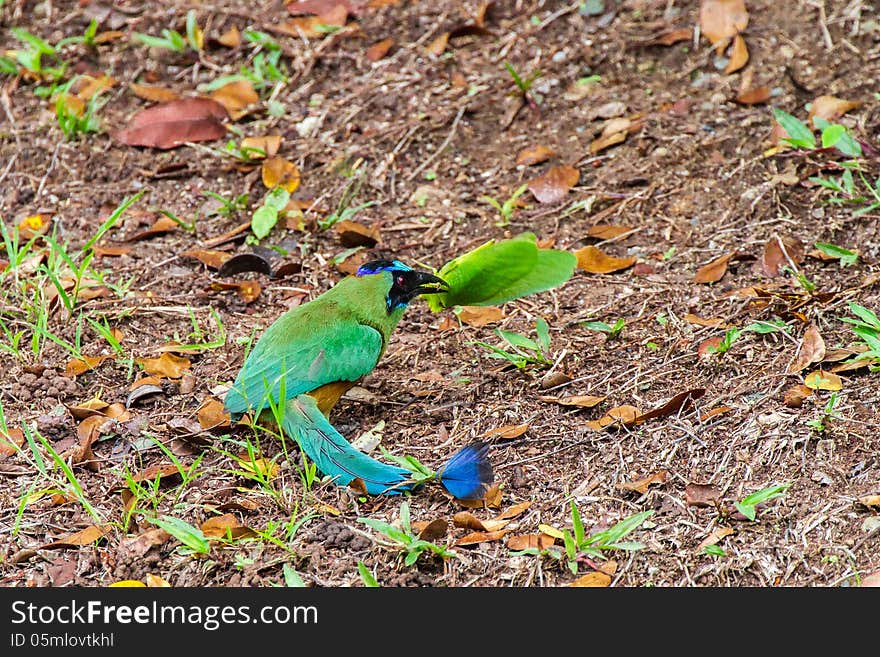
(443, 146)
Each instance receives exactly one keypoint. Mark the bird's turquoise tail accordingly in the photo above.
(466, 475)
(334, 455)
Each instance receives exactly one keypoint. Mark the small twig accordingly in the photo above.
(443, 146)
(48, 171)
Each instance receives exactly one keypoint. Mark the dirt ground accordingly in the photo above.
(429, 129)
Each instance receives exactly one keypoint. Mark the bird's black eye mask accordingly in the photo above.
(406, 283)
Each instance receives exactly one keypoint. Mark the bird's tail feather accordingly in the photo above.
(468, 474)
(333, 454)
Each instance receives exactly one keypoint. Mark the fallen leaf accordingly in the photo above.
(78, 366)
(595, 261)
(507, 432)
(154, 581)
(830, 108)
(244, 262)
(524, 541)
(212, 415)
(739, 55)
(614, 133)
(34, 225)
(152, 472)
(721, 20)
(379, 49)
(352, 233)
(678, 404)
(249, 290)
(712, 322)
(279, 172)
(231, 38)
(715, 270)
(171, 124)
(709, 346)
(779, 253)
(514, 511)
(702, 495)
(153, 94)
(262, 467)
(138, 546)
(10, 440)
(438, 46)
(534, 155)
(617, 416)
(167, 365)
(811, 350)
(209, 257)
(822, 380)
(101, 251)
(260, 147)
(86, 536)
(161, 226)
(754, 96)
(671, 37)
(551, 531)
(236, 96)
(870, 500)
(582, 401)
(794, 397)
(431, 531)
(88, 86)
(608, 231)
(480, 315)
(88, 407)
(226, 526)
(491, 499)
(467, 520)
(594, 579)
(641, 485)
(554, 184)
(319, 7)
(714, 537)
(712, 412)
(871, 580)
(480, 537)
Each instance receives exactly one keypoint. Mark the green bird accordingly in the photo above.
(310, 356)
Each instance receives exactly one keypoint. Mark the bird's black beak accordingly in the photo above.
(421, 282)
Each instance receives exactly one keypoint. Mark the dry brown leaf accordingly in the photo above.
(480, 537)
(582, 401)
(492, 499)
(524, 541)
(671, 37)
(715, 270)
(779, 253)
(678, 404)
(167, 365)
(480, 315)
(248, 290)
(211, 415)
(830, 108)
(280, 172)
(379, 49)
(811, 350)
(153, 93)
(352, 233)
(101, 251)
(438, 46)
(88, 407)
(794, 397)
(507, 432)
(702, 495)
(226, 526)
(619, 415)
(86, 536)
(534, 155)
(739, 55)
(871, 580)
(514, 511)
(712, 322)
(609, 138)
(77, 366)
(10, 441)
(231, 38)
(594, 579)
(210, 257)
(712, 412)
(236, 97)
(261, 147)
(154, 581)
(554, 184)
(870, 500)
(431, 531)
(714, 537)
(709, 346)
(754, 96)
(87, 86)
(608, 231)
(721, 20)
(595, 261)
(171, 124)
(822, 380)
(641, 485)
(160, 470)
(138, 546)
(161, 226)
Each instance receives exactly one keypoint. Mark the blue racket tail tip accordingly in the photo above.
(468, 474)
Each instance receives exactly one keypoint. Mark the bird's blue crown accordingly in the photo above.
(376, 266)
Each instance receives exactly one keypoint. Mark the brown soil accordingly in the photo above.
(434, 133)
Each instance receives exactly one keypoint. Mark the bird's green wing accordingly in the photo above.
(301, 352)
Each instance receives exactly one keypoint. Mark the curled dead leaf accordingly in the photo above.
(582, 401)
(379, 49)
(739, 55)
(794, 397)
(279, 172)
(352, 233)
(480, 315)
(702, 495)
(830, 108)
(226, 526)
(507, 432)
(715, 270)
(616, 417)
(642, 485)
(209, 257)
(714, 537)
(721, 20)
(534, 155)
(678, 404)
(595, 579)
(811, 350)
(780, 253)
(153, 94)
(261, 147)
(595, 261)
(608, 231)
(480, 537)
(524, 541)
(236, 96)
(211, 415)
(86, 536)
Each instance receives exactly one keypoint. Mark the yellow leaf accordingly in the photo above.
(278, 171)
(594, 579)
(822, 380)
(551, 531)
(128, 583)
(167, 365)
(154, 581)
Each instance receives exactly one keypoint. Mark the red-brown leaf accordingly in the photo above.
(171, 124)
